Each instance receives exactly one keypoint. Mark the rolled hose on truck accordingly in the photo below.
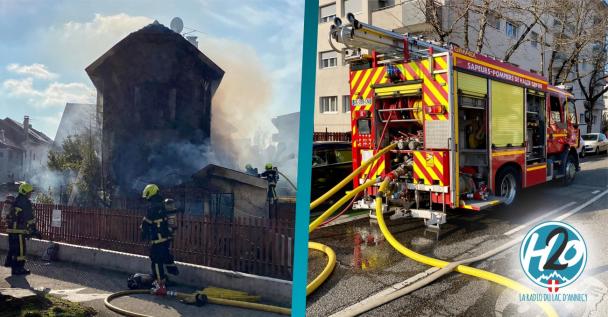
(445, 267)
(195, 298)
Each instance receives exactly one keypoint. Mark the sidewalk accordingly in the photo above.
(89, 286)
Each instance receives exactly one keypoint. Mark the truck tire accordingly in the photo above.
(507, 185)
(570, 171)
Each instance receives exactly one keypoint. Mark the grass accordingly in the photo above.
(43, 305)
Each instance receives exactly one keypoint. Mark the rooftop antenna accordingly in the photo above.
(177, 25)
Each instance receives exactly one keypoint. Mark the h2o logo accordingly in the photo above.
(553, 254)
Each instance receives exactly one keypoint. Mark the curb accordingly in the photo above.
(271, 289)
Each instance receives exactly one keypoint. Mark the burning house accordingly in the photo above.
(154, 91)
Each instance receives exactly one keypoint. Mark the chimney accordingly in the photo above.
(26, 127)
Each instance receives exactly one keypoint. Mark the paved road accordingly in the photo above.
(465, 235)
(90, 286)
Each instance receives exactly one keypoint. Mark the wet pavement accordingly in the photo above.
(367, 264)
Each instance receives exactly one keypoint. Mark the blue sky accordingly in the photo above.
(46, 45)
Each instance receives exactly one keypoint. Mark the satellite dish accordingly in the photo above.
(177, 25)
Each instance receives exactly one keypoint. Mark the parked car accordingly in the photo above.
(595, 143)
(331, 163)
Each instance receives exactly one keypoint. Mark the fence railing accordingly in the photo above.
(332, 136)
(250, 245)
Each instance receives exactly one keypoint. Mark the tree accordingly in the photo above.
(80, 165)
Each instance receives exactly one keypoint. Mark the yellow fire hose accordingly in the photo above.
(331, 255)
(192, 299)
(444, 265)
(492, 277)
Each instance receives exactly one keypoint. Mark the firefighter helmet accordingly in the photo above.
(268, 166)
(25, 188)
(149, 191)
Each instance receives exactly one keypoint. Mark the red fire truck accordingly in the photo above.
(472, 130)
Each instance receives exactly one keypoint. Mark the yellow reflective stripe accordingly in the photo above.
(18, 210)
(352, 83)
(161, 240)
(157, 271)
(21, 253)
(147, 220)
(19, 231)
(534, 168)
(31, 221)
(559, 134)
(504, 153)
(21, 258)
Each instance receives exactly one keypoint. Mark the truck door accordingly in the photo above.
(573, 133)
(556, 129)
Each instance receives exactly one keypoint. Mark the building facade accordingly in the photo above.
(332, 105)
(23, 150)
(154, 91)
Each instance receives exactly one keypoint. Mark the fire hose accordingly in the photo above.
(331, 255)
(445, 267)
(197, 298)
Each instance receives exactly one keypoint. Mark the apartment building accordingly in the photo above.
(332, 106)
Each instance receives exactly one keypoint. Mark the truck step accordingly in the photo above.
(478, 205)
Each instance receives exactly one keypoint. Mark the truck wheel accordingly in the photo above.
(570, 173)
(597, 150)
(507, 185)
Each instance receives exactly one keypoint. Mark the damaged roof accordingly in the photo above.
(156, 31)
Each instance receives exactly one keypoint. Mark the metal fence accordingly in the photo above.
(332, 136)
(250, 245)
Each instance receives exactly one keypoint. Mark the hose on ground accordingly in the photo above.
(212, 300)
(329, 253)
(447, 267)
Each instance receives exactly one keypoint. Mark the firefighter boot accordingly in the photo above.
(20, 270)
(159, 288)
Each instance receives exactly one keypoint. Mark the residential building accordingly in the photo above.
(77, 119)
(154, 91)
(332, 106)
(23, 150)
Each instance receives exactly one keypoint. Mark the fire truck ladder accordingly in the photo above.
(392, 46)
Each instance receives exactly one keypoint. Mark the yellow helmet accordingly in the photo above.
(149, 191)
(25, 188)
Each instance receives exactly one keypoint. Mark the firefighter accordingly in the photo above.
(21, 224)
(271, 175)
(251, 170)
(156, 228)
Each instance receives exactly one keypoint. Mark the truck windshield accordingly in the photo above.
(590, 137)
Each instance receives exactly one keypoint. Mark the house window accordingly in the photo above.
(221, 205)
(494, 20)
(534, 39)
(511, 29)
(346, 103)
(328, 59)
(328, 104)
(352, 6)
(327, 13)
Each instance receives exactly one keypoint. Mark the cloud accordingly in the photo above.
(56, 94)
(75, 45)
(36, 70)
